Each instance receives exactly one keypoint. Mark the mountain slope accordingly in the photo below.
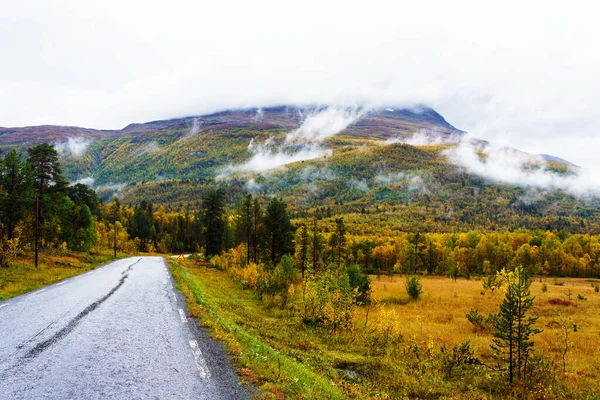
(395, 164)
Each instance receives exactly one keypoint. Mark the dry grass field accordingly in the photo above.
(285, 358)
(440, 314)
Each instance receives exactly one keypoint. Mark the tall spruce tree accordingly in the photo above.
(279, 230)
(213, 221)
(257, 227)
(512, 342)
(48, 181)
(15, 187)
(246, 224)
(317, 244)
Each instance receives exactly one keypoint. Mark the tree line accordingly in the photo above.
(72, 217)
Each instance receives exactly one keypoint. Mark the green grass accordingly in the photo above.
(22, 277)
(264, 344)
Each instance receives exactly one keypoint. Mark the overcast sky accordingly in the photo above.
(520, 73)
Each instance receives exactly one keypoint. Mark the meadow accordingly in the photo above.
(398, 347)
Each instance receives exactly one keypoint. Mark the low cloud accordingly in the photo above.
(312, 173)
(359, 184)
(414, 183)
(506, 165)
(323, 124)
(304, 143)
(88, 181)
(417, 184)
(426, 137)
(252, 186)
(111, 188)
(194, 129)
(393, 177)
(151, 147)
(74, 147)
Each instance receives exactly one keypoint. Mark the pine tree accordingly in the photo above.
(246, 224)
(512, 341)
(340, 230)
(213, 221)
(47, 179)
(317, 244)
(302, 251)
(257, 231)
(279, 230)
(15, 187)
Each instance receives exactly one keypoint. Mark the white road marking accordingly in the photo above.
(61, 283)
(174, 297)
(3, 305)
(200, 361)
(182, 315)
(39, 291)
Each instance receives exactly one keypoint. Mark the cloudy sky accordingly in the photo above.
(524, 74)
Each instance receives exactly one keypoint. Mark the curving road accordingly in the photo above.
(117, 332)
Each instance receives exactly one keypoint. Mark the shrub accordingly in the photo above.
(544, 287)
(596, 287)
(581, 297)
(480, 322)
(493, 282)
(455, 358)
(413, 286)
(284, 274)
(360, 281)
(327, 300)
(560, 302)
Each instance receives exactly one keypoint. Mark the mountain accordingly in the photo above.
(400, 164)
(193, 147)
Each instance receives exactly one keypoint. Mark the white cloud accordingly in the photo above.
(252, 186)
(304, 143)
(426, 137)
(509, 166)
(323, 124)
(359, 184)
(88, 181)
(151, 147)
(312, 173)
(530, 78)
(392, 177)
(74, 147)
(417, 184)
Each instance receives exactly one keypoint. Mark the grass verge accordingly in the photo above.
(266, 346)
(22, 277)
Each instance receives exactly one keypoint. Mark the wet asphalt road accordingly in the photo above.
(117, 332)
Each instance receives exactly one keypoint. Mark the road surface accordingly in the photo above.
(116, 332)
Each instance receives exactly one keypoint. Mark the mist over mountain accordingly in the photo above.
(408, 164)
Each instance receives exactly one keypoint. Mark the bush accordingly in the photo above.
(544, 287)
(413, 286)
(359, 280)
(327, 300)
(581, 297)
(560, 302)
(596, 287)
(457, 357)
(284, 274)
(480, 322)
